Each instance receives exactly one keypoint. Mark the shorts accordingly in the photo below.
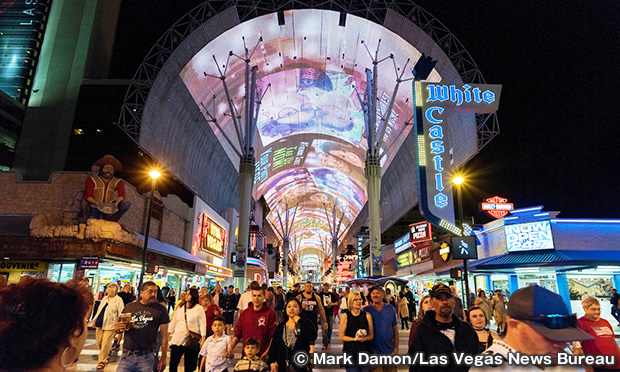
(229, 317)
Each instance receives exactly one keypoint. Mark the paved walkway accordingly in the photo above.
(88, 359)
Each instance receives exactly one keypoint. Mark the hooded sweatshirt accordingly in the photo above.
(259, 324)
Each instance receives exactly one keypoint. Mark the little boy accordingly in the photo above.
(214, 349)
(250, 362)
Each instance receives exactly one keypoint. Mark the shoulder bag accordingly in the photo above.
(192, 339)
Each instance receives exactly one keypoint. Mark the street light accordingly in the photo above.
(458, 181)
(154, 176)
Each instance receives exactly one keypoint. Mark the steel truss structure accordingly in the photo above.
(373, 10)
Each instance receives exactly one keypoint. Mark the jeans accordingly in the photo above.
(191, 358)
(130, 363)
(123, 207)
(327, 333)
(615, 312)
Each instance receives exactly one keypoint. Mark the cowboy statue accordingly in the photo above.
(106, 193)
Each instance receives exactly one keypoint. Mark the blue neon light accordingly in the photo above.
(257, 262)
(444, 93)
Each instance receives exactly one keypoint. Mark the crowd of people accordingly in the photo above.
(43, 326)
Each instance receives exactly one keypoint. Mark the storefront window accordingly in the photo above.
(581, 286)
(61, 272)
(544, 280)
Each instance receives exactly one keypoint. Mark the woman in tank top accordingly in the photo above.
(356, 331)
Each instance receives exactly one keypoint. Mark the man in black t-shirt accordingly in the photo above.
(278, 306)
(328, 300)
(147, 317)
(229, 305)
(311, 307)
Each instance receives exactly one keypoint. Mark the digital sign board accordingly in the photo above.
(529, 236)
(464, 247)
(22, 27)
(310, 143)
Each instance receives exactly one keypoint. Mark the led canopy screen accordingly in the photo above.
(311, 142)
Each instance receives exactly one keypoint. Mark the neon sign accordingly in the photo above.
(420, 232)
(436, 159)
(211, 236)
(529, 236)
(497, 207)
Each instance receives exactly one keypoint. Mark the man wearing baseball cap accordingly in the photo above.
(442, 333)
(538, 323)
(385, 340)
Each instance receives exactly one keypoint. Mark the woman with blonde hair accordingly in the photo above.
(356, 330)
(107, 315)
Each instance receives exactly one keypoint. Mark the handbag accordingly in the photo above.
(192, 339)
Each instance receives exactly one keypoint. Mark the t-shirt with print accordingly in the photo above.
(311, 312)
(448, 329)
(145, 322)
(327, 299)
(604, 342)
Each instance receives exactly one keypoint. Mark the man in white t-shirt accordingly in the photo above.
(538, 323)
(244, 300)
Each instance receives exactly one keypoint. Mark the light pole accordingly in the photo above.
(458, 181)
(154, 175)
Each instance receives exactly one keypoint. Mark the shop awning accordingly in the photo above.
(170, 250)
(552, 258)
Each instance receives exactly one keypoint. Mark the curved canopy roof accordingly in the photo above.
(310, 146)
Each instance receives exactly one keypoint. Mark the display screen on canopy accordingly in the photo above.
(311, 143)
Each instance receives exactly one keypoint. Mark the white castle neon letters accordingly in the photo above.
(444, 93)
(457, 96)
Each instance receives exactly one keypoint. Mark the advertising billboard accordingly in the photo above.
(529, 236)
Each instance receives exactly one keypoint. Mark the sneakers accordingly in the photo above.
(324, 347)
(100, 366)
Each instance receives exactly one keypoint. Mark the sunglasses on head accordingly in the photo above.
(555, 321)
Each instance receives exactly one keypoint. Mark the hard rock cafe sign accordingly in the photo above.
(496, 206)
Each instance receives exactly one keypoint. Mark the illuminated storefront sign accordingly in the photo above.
(217, 270)
(402, 244)
(496, 206)
(529, 236)
(422, 253)
(360, 264)
(211, 236)
(435, 153)
(420, 232)
(444, 251)
(10, 265)
(404, 260)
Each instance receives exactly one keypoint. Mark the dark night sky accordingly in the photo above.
(558, 114)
